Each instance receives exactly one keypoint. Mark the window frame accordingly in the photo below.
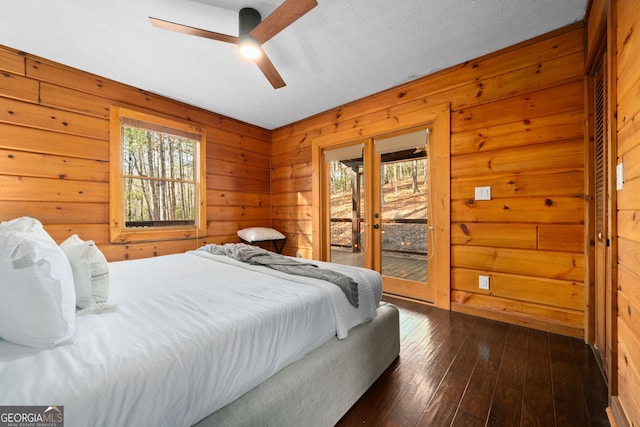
(118, 232)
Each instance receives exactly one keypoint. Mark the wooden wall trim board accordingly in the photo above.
(623, 18)
(612, 345)
(54, 151)
(506, 310)
(440, 174)
(596, 32)
(617, 415)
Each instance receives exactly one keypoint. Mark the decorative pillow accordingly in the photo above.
(37, 303)
(90, 271)
(258, 234)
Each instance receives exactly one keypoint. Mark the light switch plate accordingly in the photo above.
(483, 193)
(619, 176)
(483, 282)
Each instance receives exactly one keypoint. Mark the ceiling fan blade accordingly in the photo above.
(185, 29)
(266, 66)
(286, 14)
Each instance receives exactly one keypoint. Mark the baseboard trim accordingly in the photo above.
(616, 414)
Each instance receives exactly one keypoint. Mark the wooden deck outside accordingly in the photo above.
(403, 266)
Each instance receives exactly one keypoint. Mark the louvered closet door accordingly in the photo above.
(601, 232)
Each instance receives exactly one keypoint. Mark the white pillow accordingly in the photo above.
(90, 271)
(37, 303)
(258, 234)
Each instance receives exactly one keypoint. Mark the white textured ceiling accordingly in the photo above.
(340, 51)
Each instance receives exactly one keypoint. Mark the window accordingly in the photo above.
(157, 181)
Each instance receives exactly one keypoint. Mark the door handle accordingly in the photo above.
(602, 237)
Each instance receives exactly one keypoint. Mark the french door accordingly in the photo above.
(377, 196)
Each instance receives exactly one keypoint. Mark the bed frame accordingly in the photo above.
(319, 389)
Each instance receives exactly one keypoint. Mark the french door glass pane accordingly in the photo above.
(346, 181)
(404, 239)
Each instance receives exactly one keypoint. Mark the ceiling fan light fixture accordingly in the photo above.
(248, 19)
(249, 47)
(252, 33)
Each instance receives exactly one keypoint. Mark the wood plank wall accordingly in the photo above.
(628, 208)
(517, 124)
(54, 154)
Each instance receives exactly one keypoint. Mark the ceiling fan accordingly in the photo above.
(253, 32)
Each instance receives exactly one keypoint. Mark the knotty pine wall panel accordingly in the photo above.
(11, 62)
(517, 124)
(18, 87)
(531, 184)
(628, 208)
(562, 126)
(42, 141)
(73, 100)
(59, 213)
(54, 156)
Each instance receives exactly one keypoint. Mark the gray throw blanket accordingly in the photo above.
(257, 256)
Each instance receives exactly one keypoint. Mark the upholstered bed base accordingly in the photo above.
(320, 388)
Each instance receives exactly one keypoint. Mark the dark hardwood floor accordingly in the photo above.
(460, 370)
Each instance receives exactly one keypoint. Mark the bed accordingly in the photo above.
(199, 338)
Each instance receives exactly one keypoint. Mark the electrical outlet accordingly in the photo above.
(483, 282)
(483, 193)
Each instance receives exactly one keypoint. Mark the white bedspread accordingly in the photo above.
(190, 335)
(369, 289)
